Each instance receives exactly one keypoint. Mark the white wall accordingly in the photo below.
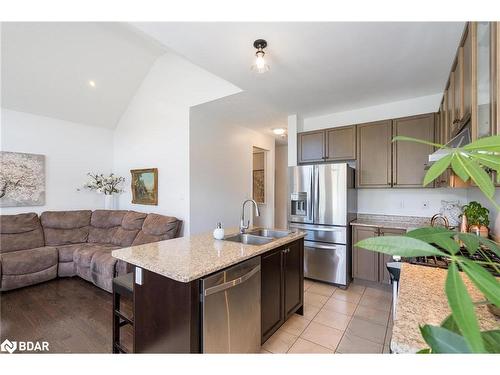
(281, 187)
(154, 131)
(221, 173)
(402, 108)
(294, 124)
(71, 150)
(407, 202)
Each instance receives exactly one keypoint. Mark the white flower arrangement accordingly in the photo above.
(107, 185)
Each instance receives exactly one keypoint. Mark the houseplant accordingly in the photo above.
(459, 332)
(477, 217)
(108, 185)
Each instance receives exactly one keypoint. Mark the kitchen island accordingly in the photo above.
(167, 298)
(422, 300)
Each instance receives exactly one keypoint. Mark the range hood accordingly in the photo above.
(460, 140)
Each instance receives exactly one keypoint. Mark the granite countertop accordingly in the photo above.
(391, 221)
(422, 300)
(189, 258)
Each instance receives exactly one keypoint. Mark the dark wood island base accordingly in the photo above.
(167, 313)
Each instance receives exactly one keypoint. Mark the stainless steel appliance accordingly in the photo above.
(231, 309)
(323, 201)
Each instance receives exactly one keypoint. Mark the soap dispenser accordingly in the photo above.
(219, 232)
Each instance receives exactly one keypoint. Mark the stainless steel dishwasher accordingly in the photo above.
(231, 309)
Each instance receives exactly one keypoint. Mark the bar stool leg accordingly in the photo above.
(116, 322)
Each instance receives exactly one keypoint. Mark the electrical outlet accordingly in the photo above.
(402, 204)
(425, 204)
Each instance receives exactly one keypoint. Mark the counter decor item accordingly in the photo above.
(219, 232)
(477, 218)
(109, 185)
(460, 331)
(452, 211)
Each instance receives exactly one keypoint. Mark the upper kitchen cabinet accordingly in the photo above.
(311, 146)
(374, 155)
(327, 145)
(410, 158)
(341, 143)
(466, 52)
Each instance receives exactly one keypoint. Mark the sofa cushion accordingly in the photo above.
(133, 220)
(83, 255)
(66, 252)
(104, 224)
(10, 282)
(28, 261)
(157, 228)
(65, 227)
(20, 232)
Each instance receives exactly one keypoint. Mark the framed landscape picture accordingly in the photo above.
(145, 186)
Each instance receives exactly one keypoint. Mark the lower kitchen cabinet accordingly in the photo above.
(282, 286)
(370, 265)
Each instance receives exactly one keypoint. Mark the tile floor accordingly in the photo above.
(356, 320)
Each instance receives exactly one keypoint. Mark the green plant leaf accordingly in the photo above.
(485, 144)
(491, 161)
(458, 168)
(442, 340)
(437, 169)
(424, 351)
(399, 245)
(490, 245)
(484, 280)
(462, 309)
(438, 236)
(416, 140)
(448, 244)
(491, 341)
(450, 325)
(478, 175)
(470, 241)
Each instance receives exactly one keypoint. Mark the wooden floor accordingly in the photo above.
(73, 315)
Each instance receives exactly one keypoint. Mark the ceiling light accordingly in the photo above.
(260, 65)
(91, 83)
(279, 131)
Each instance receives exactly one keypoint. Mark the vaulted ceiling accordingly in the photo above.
(47, 68)
(316, 68)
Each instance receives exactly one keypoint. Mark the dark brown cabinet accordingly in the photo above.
(369, 265)
(374, 155)
(383, 274)
(341, 143)
(410, 158)
(282, 286)
(311, 146)
(364, 262)
(327, 145)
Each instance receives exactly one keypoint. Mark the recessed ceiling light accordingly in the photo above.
(279, 131)
(92, 83)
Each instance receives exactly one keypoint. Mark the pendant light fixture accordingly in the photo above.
(260, 65)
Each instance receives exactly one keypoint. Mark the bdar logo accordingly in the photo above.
(8, 346)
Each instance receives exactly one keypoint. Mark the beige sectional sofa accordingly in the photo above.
(74, 243)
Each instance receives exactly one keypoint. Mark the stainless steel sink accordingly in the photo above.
(249, 239)
(270, 233)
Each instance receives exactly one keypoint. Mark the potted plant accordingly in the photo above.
(477, 217)
(107, 185)
(459, 332)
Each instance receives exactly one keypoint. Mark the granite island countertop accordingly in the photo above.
(391, 221)
(422, 300)
(188, 258)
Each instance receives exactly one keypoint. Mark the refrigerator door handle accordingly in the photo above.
(312, 198)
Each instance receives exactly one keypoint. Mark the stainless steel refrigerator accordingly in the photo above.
(322, 202)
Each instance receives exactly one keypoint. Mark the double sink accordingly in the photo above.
(258, 236)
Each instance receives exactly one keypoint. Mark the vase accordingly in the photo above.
(109, 202)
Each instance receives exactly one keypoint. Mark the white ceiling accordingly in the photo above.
(46, 68)
(316, 68)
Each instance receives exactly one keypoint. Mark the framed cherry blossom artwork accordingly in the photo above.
(22, 179)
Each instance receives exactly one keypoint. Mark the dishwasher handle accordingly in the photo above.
(232, 283)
